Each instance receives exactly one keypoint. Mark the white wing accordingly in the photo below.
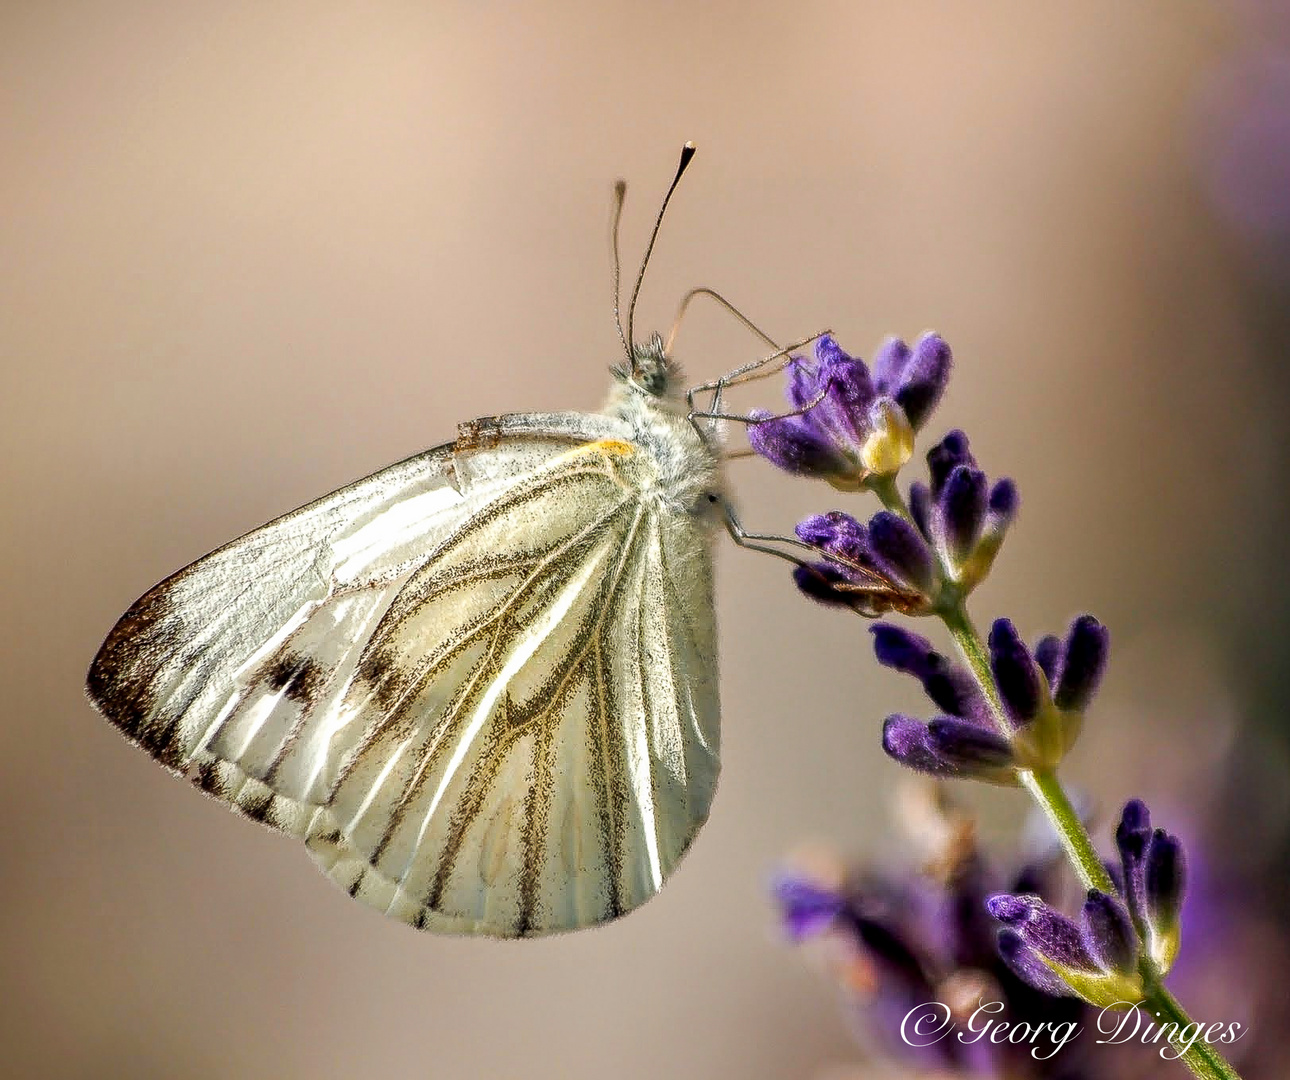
(480, 685)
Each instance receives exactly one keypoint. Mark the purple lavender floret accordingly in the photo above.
(1108, 933)
(960, 514)
(1015, 673)
(967, 745)
(909, 742)
(947, 455)
(949, 685)
(949, 747)
(1026, 963)
(1048, 654)
(1044, 929)
(1082, 664)
(882, 566)
(806, 907)
(855, 424)
(1165, 878)
(901, 552)
(916, 377)
(962, 744)
(1132, 837)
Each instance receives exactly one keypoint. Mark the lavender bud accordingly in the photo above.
(1166, 880)
(889, 365)
(1010, 909)
(920, 506)
(968, 745)
(848, 390)
(944, 457)
(896, 647)
(1048, 651)
(1043, 928)
(794, 444)
(1083, 662)
(924, 379)
(806, 907)
(1108, 933)
(803, 387)
(960, 511)
(821, 581)
(1131, 837)
(1001, 508)
(1014, 673)
(1004, 502)
(952, 688)
(1026, 964)
(909, 742)
(836, 533)
(901, 552)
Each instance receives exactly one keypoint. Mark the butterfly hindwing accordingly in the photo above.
(479, 684)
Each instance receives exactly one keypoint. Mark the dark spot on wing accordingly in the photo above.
(379, 671)
(301, 678)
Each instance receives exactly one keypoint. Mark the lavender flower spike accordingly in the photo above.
(857, 426)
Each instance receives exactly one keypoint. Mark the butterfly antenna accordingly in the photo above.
(687, 152)
(620, 195)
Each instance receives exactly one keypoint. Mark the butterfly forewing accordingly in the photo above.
(480, 684)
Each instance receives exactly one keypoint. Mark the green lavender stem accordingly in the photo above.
(1201, 1058)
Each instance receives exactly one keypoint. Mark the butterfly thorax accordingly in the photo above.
(687, 460)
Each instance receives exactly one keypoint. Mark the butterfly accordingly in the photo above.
(480, 685)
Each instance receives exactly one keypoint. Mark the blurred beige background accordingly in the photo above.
(252, 251)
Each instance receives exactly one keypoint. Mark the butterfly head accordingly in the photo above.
(652, 371)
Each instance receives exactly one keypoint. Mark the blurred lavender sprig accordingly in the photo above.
(1009, 714)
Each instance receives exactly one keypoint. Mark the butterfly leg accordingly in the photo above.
(714, 414)
(758, 541)
(746, 373)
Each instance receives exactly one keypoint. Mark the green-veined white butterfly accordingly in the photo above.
(480, 685)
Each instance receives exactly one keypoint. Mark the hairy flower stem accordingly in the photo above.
(1047, 791)
(1201, 1058)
